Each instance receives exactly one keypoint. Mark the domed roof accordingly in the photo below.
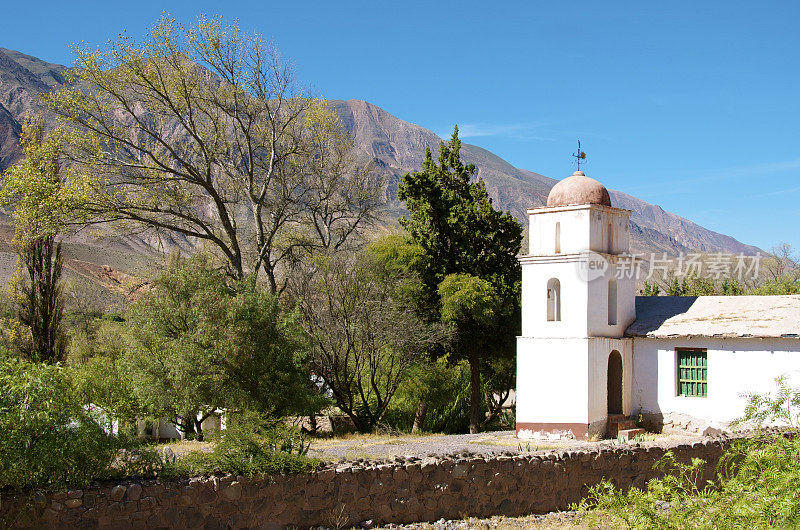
(578, 189)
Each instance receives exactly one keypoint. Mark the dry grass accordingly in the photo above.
(349, 437)
(371, 440)
(513, 443)
(184, 447)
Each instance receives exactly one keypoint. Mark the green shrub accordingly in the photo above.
(785, 285)
(755, 487)
(198, 342)
(443, 387)
(49, 438)
(138, 459)
(781, 406)
(250, 446)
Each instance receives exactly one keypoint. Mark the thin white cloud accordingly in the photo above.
(768, 167)
(711, 175)
(519, 131)
(780, 192)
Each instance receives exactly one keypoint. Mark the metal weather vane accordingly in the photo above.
(579, 156)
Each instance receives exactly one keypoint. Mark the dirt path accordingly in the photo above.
(377, 448)
(382, 447)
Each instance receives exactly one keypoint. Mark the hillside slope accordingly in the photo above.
(399, 146)
(395, 146)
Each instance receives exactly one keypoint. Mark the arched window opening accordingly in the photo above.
(558, 238)
(610, 238)
(612, 302)
(553, 300)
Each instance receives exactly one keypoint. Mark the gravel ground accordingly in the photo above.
(540, 522)
(385, 448)
(375, 447)
(381, 447)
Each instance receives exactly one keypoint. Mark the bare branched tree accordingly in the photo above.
(343, 193)
(781, 263)
(364, 332)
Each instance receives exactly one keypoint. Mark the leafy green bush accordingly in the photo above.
(198, 342)
(785, 285)
(52, 438)
(782, 406)
(138, 459)
(443, 388)
(249, 447)
(49, 437)
(755, 487)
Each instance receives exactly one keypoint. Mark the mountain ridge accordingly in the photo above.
(396, 147)
(376, 135)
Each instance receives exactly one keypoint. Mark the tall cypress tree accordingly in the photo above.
(460, 232)
(34, 188)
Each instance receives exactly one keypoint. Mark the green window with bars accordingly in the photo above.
(692, 372)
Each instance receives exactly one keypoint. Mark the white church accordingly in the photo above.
(593, 356)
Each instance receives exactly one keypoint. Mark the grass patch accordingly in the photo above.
(249, 447)
(239, 463)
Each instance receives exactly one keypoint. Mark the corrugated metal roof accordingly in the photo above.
(716, 316)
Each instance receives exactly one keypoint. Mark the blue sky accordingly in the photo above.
(693, 106)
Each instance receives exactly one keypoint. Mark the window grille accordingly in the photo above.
(692, 372)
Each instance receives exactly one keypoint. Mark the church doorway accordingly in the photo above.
(615, 383)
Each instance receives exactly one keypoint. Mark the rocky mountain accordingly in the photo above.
(399, 146)
(395, 147)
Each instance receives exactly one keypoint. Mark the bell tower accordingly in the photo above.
(578, 297)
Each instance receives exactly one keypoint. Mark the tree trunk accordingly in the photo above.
(42, 307)
(186, 426)
(419, 417)
(198, 428)
(474, 391)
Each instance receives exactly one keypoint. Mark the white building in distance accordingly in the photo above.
(592, 355)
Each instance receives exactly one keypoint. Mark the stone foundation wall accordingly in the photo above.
(676, 421)
(423, 490)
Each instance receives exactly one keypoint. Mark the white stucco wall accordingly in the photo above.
(583, 227)
(584, 297)
(584, 305)
(574, 298)
(566, 380)
(562, 366)
(599, 351)
(542, 230)
(597, 319)
(735, 366)
(601, 218)
(552, 380)
(166, 429)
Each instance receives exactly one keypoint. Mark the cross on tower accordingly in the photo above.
(579, 156)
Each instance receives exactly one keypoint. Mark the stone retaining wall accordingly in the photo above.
(423, 490)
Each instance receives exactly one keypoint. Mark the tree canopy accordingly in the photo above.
(452, 219)
(359, 312)
(42, 206)
(200, 342)
(202, 132)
